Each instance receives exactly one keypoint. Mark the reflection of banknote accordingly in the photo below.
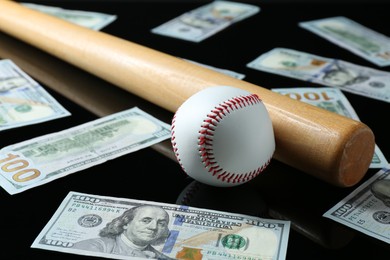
(206, 20)
(193, 233)
(224, 71)
(49, 157)
(91, 20)
(23, 101)
(362, 41)
(330, 72)
(367, 209)
(331, 99)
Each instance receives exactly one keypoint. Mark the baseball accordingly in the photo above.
(223, 136)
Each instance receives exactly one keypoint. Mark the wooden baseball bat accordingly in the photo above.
(328, 146)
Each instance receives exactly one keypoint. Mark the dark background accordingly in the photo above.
(281, 192)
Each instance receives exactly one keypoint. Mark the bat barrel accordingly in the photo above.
(328, 146)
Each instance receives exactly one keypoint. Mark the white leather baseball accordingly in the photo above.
(223, 136)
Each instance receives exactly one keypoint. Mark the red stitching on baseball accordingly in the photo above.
(174, 145)
(205, 140)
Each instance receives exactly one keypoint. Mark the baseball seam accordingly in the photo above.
(206, 135)
(173, 141)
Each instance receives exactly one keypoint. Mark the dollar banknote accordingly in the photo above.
(92, 20)
(333, 100)
(103, 226)
(43, 159)
(205, 21)
(367, 209)
(23, 101)
(348, 34)
(340, 74)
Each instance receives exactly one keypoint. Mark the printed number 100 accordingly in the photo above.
(18, 168)
(310, 96)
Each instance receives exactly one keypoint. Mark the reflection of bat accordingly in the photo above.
(328, 146)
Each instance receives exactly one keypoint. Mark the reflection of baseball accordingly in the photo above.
(223, 136)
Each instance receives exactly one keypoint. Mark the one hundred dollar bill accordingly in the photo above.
(23, 101)
(340, 74)
(92, 20)
(205, 21)
(333, 100)
(360, 40)
(367, 209)
(43, 159)
(103, 226)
